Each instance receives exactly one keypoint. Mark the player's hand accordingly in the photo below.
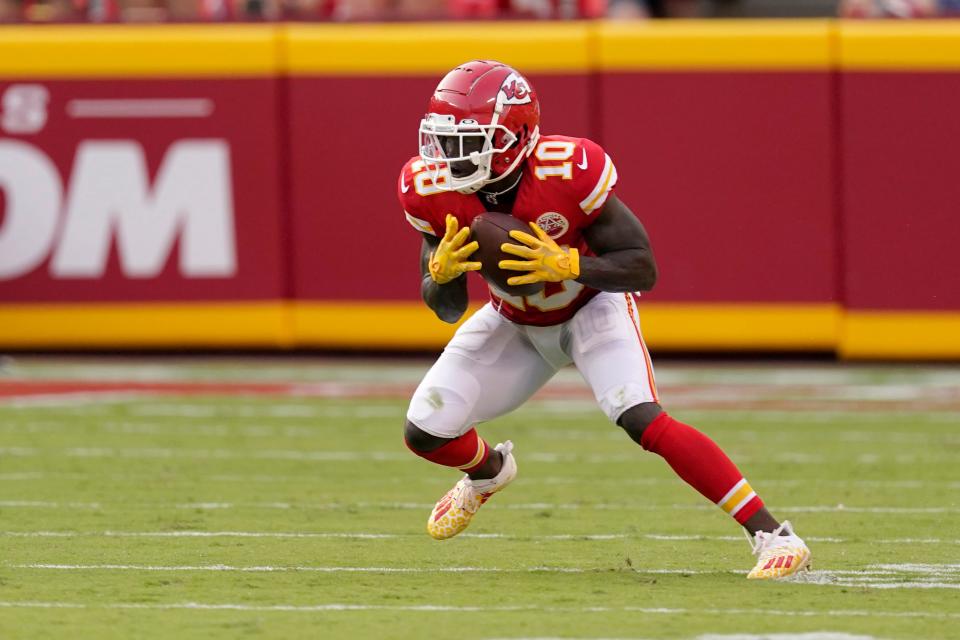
(545, 260)
(449, 260)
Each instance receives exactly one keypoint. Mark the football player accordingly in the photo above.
(481, 150)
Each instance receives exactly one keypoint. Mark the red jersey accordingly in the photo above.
(564, 184)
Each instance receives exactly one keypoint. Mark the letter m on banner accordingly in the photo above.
(110, 196)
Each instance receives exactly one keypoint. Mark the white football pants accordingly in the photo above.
(491, 366)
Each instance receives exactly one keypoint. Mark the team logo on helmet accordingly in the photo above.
(514, 90)
(553, 224)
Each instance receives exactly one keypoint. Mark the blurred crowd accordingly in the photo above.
(367, 10)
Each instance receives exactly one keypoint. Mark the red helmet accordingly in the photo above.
(483, 113)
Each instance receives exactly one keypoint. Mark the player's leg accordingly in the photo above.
(488, 369)
(608, 348)
(699, 461)
(702, 464)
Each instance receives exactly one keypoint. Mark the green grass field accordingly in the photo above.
(274, 498)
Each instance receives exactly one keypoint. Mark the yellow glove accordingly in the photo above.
(546, 261)
(448, 261)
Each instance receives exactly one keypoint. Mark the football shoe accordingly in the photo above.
(778, 556)
(456, 508)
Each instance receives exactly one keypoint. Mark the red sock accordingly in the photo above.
(703, 465)
(467, 452)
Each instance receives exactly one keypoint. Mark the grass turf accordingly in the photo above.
(285, 516)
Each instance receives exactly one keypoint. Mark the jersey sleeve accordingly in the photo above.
(417, 213)
(594, 176)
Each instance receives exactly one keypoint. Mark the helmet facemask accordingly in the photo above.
(450, 148)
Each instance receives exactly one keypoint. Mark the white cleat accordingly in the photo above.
(453, 512)
(778, 556)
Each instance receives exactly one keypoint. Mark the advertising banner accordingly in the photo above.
(118, 189)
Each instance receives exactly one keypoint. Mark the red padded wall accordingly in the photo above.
(901, 232)
(731, 173)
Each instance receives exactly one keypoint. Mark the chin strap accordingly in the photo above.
(492, 195)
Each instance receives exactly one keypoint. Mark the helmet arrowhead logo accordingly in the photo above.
(514, 90)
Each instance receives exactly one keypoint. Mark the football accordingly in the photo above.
(490, 230)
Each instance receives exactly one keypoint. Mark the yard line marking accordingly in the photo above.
(816, 635)
(341, 607)
(18, 452)
(915, 541)
(550, 480)
(44, 605)
(872, 579)
(573, 537)
(43, 504)
(23, 475)
(317, 430)
(841, 508)
(70, 399)
(752, 434)
(605, 638)
(919, 568)
(867, 574)
(94, 451)
(563, 410)
(534, 506)
(901, 585)
(280, 569)
(902, 576)
(242, 410)
(221, 454)
(251, 534)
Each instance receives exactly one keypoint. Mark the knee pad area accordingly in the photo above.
(617, 400)
(440, 412)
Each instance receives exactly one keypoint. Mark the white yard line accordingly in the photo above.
(871, 579)
(413, 570)
(815, 635)
(919, 567)
(240, 409)
(901, 585)
(572, 537)
(694, 405)
(224, 454)
(266, 478)
(320, 431)
(919, 438)
(634, 457)
(70, 399)
(435, 608)
(45, 504)
(573, 410)
(27, 475)
(19, 452)
(282, 569)
(872, 573)
(533, 506)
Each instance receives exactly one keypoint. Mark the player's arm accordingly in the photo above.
(624, 260)
(443, 264)
(448, 301)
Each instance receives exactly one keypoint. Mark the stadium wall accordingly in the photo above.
(233, 186)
